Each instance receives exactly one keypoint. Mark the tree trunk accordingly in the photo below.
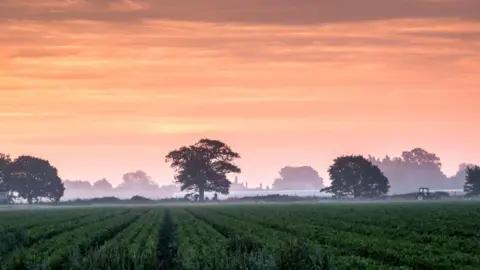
(30, 200)
(201, 193)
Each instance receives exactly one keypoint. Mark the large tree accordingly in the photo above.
(413, 169)
(357, 176)
(204, 166)
(472, 180)
(33, 178)
(304, 177)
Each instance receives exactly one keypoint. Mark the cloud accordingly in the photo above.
(130, 65)
(237, 11)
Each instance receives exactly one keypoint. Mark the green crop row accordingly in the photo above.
(267, 237)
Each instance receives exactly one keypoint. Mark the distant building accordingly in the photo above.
(238, 186)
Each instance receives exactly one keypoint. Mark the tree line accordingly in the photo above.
(204, 167)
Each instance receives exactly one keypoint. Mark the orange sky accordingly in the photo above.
(108, 86)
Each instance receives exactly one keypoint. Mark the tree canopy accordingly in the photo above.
(204, 166)
(33, 178)
(414, 169)
(304, 177)
(77, 184)
(472, 180)
(102, 184)
(357, 176)
(4, 161)
(137, 180)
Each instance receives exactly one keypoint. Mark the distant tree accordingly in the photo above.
(413, 169)
(472, 180)
(102, 184)
(421, 157)
(33, 178)
(304, 177)
(457, 180)
(137, 180)
(139, 198)
(204, 166)
(215, 197)
(77, 185)
(355, 175)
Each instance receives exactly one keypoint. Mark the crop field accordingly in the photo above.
(420, 235)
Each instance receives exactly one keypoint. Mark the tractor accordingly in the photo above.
(425, 194)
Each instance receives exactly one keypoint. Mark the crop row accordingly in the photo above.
(352, 234)
(395, 236)
(64, 250)
(278, 247)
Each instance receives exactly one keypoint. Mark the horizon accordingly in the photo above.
(102, 88)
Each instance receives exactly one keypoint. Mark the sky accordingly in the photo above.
(104, 87)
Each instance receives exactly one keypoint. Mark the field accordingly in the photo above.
(420, 235)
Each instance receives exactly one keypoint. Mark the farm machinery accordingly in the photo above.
(424, 193)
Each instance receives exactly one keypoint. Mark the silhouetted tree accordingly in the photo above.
(355, 175)
(413, 169)
(204, 166)
(102, 184)
(54, 190)
(4, 161)
(137, 180)
(33, 178)
(472, 180)
(304, 177)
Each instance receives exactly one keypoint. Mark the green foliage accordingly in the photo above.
(204, 166)
(33, 178)
(472, 180)
(357, 176)
(260, 237)
(4, 161)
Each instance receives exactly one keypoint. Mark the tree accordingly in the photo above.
(304, 177)
(355, 175)
(204, 166)
(102, 184)
(472, 180)
(4, 161)
(137, 180)
(457, 180)
(33, 178)
(77, 185)
(54, 190)
(413, 169)
(421, 157)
